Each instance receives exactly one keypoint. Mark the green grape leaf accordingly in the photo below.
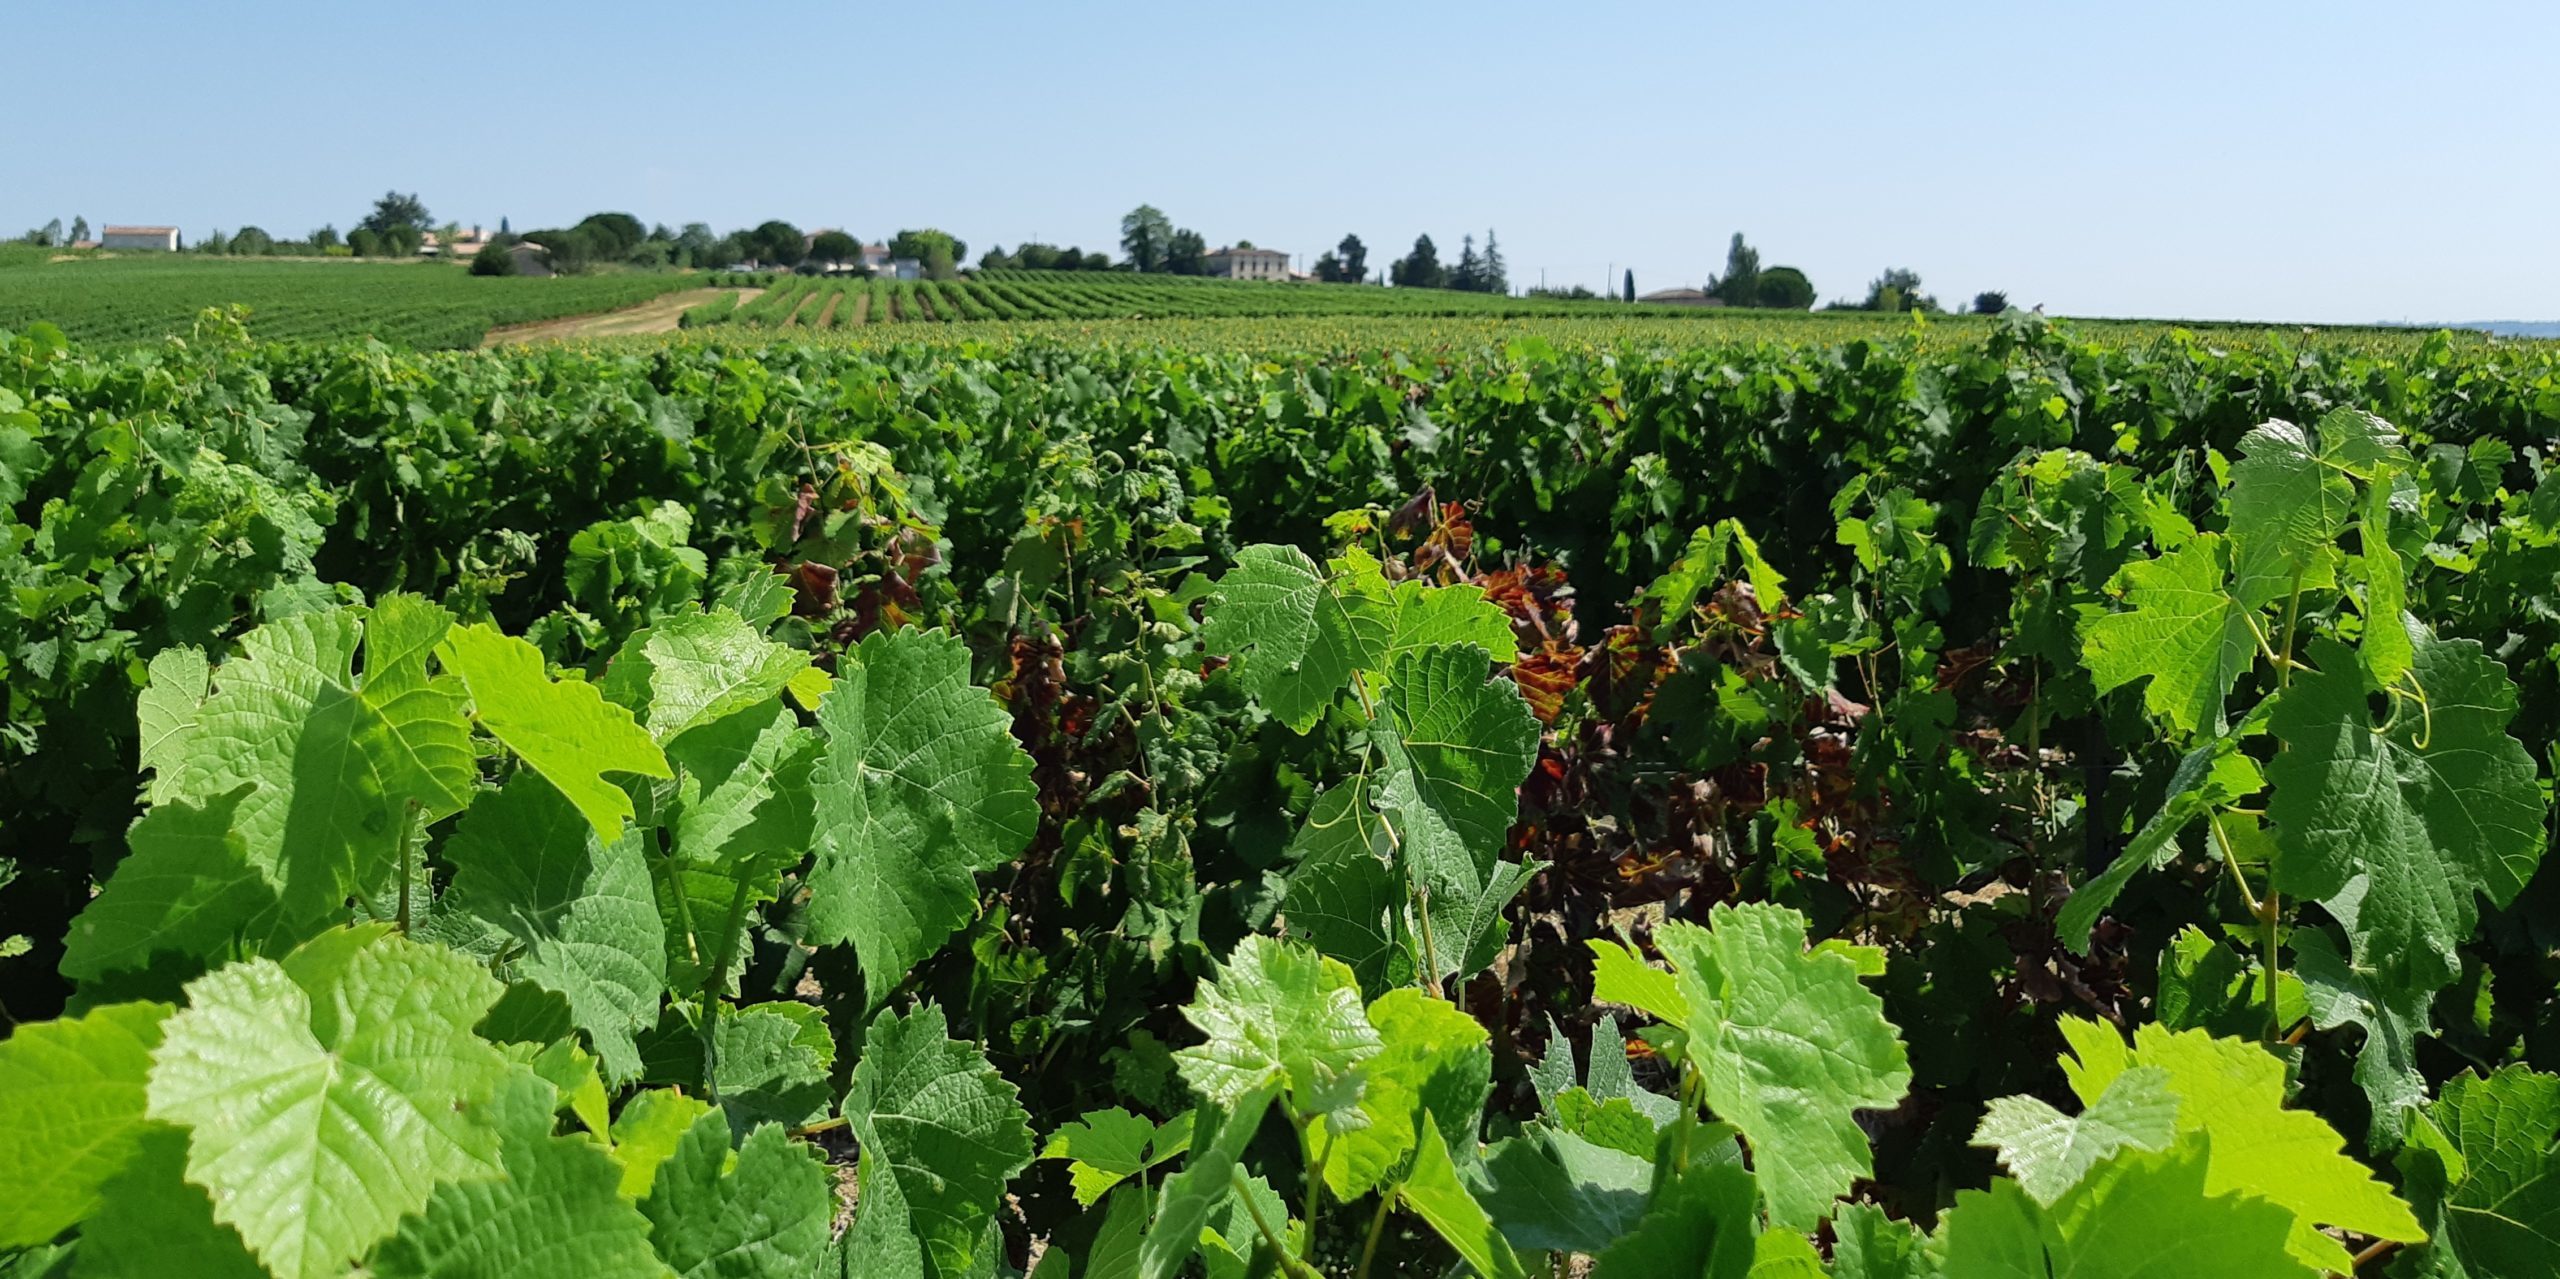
(921, 788)
(562, 729)
(742, 815)
(765, 1218)
(1108, 1146)
(2233, 1093)
(151, 1223)
(647, 1132)
(166, 712)
(2396, 833)
(578, 909)
(326, 1095)
(2286, 508)
(2386, 650)
(71, 1114)
(1276, 1015)
(1203, 1183)
(2183, 631)
(557, 1211)
(2484, 1166)
(1552, 1191)
(1232, 1245)
(1700, 1226)
(1433, 1066)
(693, 668)
(337, 765)
(1297, 639)
(2136, 1216)
(1344, 898)
(187, 887)
(1466, 743)
(941, 1134)
(1790, 1047)
(2386, 1068)
(2213, 775)
(1435, 1194)
(773, 1061)
(1866, 1244)
(2049, 1152)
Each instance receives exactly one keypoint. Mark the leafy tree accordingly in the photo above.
(394, 211)
(1631, 284)
(216, 243)
(1491, 275)
(1146, 234)
(51, 235)
(79, 229)
(612, 235)
(1355, 259)
(996, 259)
(503, 228)
(1740, 283)
(1898, 289)
(939, 251)
(366, 242)
(497, 257)
(403, 241)
(1329, 267)
(326, 238)
(1421, 268)
(252, 242)
(1783, 288)
(697, 246)
(836, 246)
(777, 242)
(1186, 253)
(1468, 275)
(1990, 302)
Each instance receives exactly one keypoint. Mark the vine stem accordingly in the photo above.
(408, 836)
(1377, 1227)
(1288, 1260)
(2373, 1252)
(1314, 1163)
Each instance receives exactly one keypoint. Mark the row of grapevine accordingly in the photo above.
(2014, 804)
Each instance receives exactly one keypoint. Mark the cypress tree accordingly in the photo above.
(1631, 284)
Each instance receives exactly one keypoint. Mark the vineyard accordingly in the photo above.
(1279, 798)
(123, 301)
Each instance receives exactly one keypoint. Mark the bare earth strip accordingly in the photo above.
(827, 318)
(861, 309)
(657, 315)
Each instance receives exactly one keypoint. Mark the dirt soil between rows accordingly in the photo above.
(657, 315)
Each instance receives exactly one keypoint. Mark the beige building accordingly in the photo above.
(164, 238)
(1248, 264)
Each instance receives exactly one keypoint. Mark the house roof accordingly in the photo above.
(138, 230)
(1235, 252)
(1672, 295)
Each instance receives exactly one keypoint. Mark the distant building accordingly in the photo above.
(463, 246)
(1682, 297)
(875, 258)
(531, 258)
(902, 269)
(163, 238)
(1247, 264)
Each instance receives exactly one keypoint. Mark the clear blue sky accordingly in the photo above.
(2314, 161)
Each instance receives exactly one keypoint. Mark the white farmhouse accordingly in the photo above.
(1248, 264)
(163, 238)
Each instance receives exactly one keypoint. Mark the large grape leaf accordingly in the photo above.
(921, 788)
(71, 1114)
(557, 1211)
(2049, 1152)
(2286, 507)
(1699, 1226)
(766, 1217)
(562, 729)
(1551, 1191)
(2136, 1216)
(2397, 832)
(1432, 1065)
(1788, 1044)
(326, 1096)
(742, 815)
(694, 668)
(1866, 1244)
(772, 1065)
(336, 763)
(152, 1223)
(1276, 1015)
(2484, 1168)
(941, 1134)
(1108, 1146)
(2335, 995)
(165, 711)
(2232, 1093)
(186, 887)
(645, 1135)
(1296, 637)
(2183, 631)
(577, 907)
